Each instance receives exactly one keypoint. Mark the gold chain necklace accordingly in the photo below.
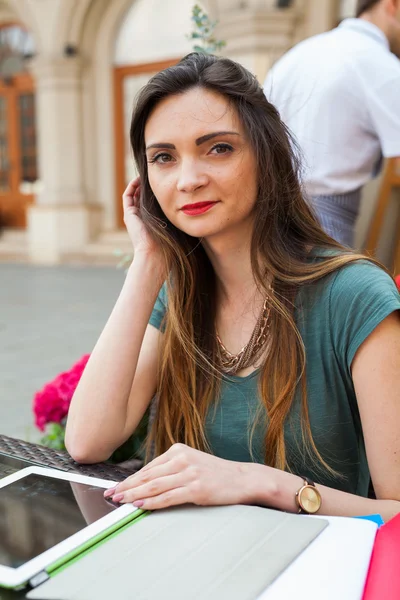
(250, 353)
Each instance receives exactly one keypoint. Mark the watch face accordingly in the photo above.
(310, 499)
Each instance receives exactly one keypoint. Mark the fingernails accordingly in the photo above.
(138, 503)
(118, 497)
(109, 492)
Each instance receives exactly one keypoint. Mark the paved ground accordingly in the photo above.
(49, 317)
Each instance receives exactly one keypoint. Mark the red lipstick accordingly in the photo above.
(197, 209)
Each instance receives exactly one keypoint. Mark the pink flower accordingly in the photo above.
(51, 404)
(397, 280)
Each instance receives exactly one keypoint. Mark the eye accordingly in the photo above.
(222, 148)
(161, 158)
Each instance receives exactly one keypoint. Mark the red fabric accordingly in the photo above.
(397, 280)
(383, 580)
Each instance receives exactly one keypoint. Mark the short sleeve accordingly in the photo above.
(362, 295)
(159, 310)
(383, 108)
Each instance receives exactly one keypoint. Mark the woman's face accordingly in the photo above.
(201, 166)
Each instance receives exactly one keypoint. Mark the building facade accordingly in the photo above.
(69, 72)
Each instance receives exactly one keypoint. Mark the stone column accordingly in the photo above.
(256, 32)
(61, 221)
(321, 15)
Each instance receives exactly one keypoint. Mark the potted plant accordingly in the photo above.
(51, 405)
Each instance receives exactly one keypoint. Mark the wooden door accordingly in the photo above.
(127, 83)
(18, 163)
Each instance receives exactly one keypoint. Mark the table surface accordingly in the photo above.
(17, 454)
(35, 454)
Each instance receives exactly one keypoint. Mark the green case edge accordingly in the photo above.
(95, 542)
(85, 548)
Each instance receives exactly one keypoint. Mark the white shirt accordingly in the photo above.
(339, 93)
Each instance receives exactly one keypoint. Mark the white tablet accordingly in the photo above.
(47, 517)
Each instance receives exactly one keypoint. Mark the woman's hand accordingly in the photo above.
(184, 475)
(138, 234)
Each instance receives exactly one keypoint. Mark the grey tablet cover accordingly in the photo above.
(185, 553)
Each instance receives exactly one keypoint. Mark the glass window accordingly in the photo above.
(27, 138)
(16, 45)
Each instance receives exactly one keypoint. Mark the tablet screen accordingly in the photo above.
(37, 512)
(9, 464)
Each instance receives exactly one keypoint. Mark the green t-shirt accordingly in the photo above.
(334, 315)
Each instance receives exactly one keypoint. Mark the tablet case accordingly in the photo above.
(205, 553)
(77, 553)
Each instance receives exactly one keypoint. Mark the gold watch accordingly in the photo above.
(308, 498)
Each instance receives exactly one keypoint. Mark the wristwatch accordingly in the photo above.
(308, 498)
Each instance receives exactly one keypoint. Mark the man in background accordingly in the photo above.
(339, 93)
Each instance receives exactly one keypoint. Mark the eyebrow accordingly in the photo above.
(199, 141)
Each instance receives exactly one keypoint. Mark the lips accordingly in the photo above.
(197, 209)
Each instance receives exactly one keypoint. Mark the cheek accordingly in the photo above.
(161, 189)
(153, 182)
(244, 188)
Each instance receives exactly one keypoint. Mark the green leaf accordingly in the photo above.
(54, 437)
(203, 30)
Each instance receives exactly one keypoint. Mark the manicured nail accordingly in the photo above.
(118, 497)
(109, 493)
(138, 503)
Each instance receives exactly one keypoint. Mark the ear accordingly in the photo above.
(392, 7)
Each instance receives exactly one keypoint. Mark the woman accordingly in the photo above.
(273, 352)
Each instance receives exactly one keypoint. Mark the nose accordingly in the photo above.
(191, 177)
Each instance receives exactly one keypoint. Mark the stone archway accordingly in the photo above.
(89, 29)
(96, 37)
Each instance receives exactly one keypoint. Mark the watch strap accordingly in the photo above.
(309, 481)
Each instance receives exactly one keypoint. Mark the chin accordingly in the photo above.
(199, 230)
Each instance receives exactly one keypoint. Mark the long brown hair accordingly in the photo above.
(285, 229)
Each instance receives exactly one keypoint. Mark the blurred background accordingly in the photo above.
(69, 72)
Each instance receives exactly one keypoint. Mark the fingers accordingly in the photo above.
(149, 490)
(145, 476)
(159, 460)
(165, 457)
(165, 481)
(130, 197)
(172, 498)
